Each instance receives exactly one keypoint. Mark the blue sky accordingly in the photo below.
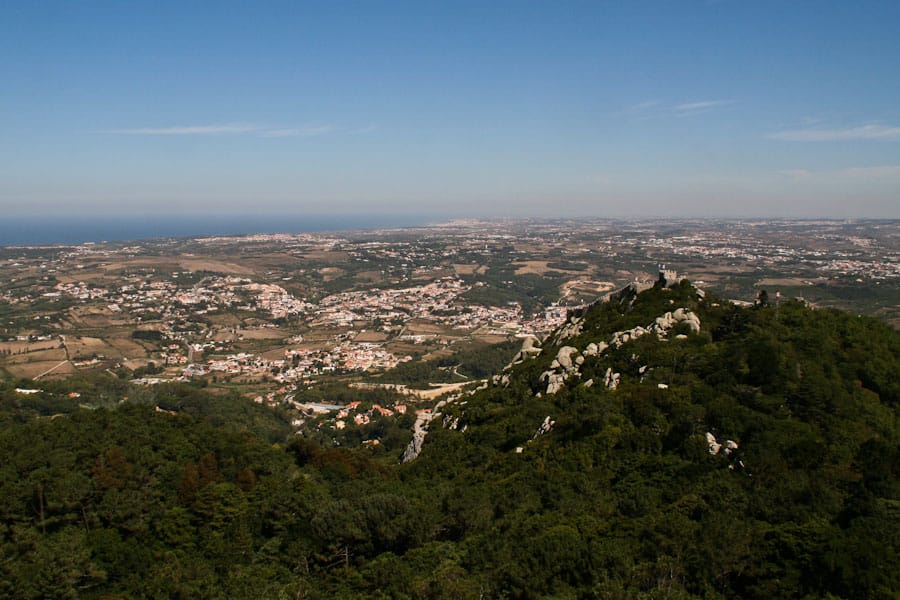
(606, 108)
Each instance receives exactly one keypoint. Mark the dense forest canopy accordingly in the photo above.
(178, 493)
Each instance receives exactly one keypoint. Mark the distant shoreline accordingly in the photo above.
(59, 230)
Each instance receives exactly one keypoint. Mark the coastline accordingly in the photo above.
(36, 230)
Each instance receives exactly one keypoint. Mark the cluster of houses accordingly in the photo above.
(170, 304)
(860, 260)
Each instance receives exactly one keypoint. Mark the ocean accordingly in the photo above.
(45, 230)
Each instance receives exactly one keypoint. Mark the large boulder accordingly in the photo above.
(693, 321)
(564, 357)
(611, 379)
(555, 383)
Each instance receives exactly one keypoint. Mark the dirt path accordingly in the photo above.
(50, 370)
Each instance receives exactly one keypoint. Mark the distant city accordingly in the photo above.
(276, 313)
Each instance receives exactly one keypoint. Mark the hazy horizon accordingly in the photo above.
(706, 108)
(40, 230)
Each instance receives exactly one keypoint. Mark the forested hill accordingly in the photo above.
(663, 445)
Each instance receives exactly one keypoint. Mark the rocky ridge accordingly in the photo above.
(564, 366)
(567, 363)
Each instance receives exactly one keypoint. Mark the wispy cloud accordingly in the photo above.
(298, 132)
(362, 130)
(862, 132)
(223, 128)
(855, 173)
(640, 107)
(655, 109)
(700, 106)
(239, 129)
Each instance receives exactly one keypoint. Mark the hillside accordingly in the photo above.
(666, 444)
(631, 493)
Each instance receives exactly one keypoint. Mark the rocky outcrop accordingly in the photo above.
(420, 430)
(715, 447)
(565, 366)
(622, 337)
(530, 348)
(423, 421)
(562, 367)
(567, 363)
(546, 427)
(611, 380)
(572, 328)
(681, 315)
(501, 379)
(564, 358)
(554, 380)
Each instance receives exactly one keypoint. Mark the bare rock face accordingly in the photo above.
(501, 380)
(562, 367)
(611, 380)
(693, 321)
(661, 325)
(546, 427)
(555, 383)
(530, 348)
(423, 421)
(411, 452)
(420, 430)
(623, 337)
(564, 357)
(726, 449)
(683, 315)
(568, 359)
(664, 322)
(571, 329)
(730, 446)
(529, 343)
